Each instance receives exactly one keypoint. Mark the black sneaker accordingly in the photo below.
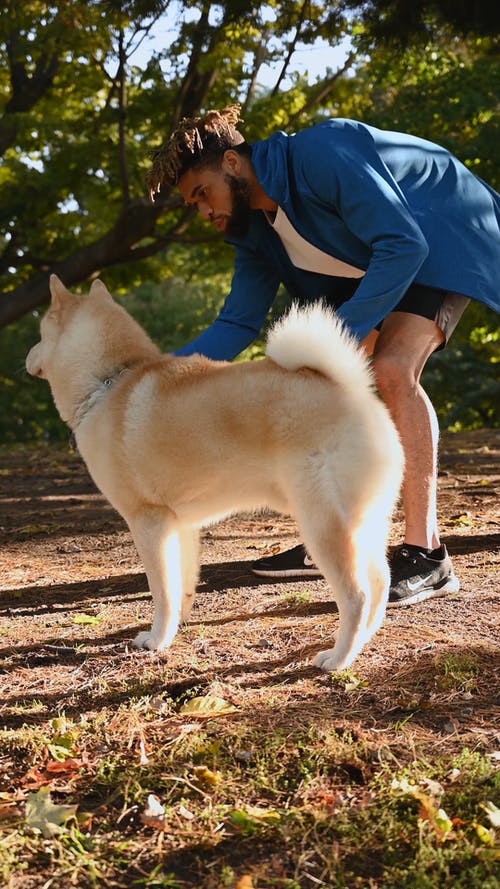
(416, 575)
(293, 563)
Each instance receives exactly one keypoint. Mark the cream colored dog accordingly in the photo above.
(174, 443)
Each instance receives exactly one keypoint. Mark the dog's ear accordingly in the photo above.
(58, 293)
(99, 289)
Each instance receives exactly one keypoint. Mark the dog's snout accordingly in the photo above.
(33, 361)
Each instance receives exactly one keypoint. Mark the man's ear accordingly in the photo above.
(100, 290)
(58, 293)
(232, 162)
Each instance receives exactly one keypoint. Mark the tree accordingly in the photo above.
(80, 116)
(402, 21)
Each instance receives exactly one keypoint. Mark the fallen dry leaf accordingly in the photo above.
(206, 707)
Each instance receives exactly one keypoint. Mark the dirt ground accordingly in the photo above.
(73, 595)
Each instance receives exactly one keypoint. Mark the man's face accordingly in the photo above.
(220, 197)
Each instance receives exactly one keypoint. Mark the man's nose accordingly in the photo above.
(205, 211)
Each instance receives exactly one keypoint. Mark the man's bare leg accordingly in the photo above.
(400, 352)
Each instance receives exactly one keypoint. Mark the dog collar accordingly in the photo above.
(95, 396)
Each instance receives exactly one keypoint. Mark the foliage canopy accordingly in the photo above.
(89, 89)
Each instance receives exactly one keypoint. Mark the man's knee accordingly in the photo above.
(394, 375)
(402, 349)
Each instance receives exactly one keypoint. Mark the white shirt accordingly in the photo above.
(305, 255)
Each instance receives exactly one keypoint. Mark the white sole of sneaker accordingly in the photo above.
(300, 572)
(452, 585)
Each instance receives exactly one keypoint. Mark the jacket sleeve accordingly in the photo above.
(253, 289)
(359, 188)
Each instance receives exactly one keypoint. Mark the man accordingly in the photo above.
(392, 230)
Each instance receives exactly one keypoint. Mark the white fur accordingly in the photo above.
(313, 336)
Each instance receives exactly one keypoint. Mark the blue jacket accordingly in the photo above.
(401, 208)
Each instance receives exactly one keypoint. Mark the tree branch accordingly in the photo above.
(291, 48)
(26, 89)
(322, 90)
(197, 83)
(259, 58)
(122, 118)
(136, 222)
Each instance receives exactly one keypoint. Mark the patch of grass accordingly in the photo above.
(297, 597)
(287, 806)
(457, 670)
(26, 744)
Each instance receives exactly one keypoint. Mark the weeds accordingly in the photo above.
(316, 807)
(457, 671)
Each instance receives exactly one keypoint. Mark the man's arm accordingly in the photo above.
(253, 289)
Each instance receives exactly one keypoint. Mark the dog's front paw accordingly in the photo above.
(149, 640)
(327, 661)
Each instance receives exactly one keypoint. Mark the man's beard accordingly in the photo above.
(238, 222)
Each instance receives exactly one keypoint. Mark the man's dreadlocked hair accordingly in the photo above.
(197, 141)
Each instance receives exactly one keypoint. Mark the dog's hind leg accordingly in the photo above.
(371, 539)
(351, 593)
(159, 545)
(380, 580)
(335, 550)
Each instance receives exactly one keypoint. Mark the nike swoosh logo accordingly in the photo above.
(415, 586)
(308, 562)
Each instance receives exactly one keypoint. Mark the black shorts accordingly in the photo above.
(441, 306)
(420, 300)
(437, 305)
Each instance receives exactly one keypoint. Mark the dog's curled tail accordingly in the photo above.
(312, 336)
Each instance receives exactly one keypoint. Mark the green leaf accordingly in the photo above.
(485, 836)
(44, 816)
(89, 619)
(62, 747)
(251, 818)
